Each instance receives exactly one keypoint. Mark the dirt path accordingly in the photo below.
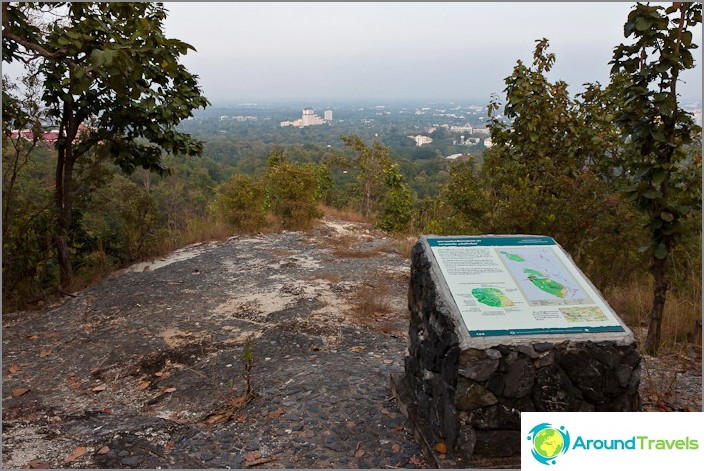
(146, 368)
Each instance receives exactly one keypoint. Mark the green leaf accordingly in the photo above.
(659, 177)
(97, 58)
(109, 56)
(660, 251)
(667, 216)
(643, 24)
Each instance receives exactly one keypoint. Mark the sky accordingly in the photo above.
(394, 51)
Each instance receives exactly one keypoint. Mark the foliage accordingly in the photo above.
(111, 78)
(383, 193)
(369, 165)
(396, 208)
(550, 173)
(240, 202)
(293, 191)
(664, 177)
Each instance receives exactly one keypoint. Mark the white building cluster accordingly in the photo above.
(420, 139)
(309, 118)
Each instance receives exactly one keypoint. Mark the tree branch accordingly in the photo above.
(60, 53)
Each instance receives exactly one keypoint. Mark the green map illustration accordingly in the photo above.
(514, 257)
(546, 284)
(491, 297)
(542, 276)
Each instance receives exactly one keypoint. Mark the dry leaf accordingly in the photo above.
(44, 353)
(36, 464)
(359, 453)
(77, 453)
(13, 369)
(261, 461)
(103, 450)
(440, 447)
(396, 448)
(414, 460)
(169, 390)
(144, 385)
(252, 456)
(99, 388)
(216, 418)
(19, 392)
(276, 414)
(357, 348)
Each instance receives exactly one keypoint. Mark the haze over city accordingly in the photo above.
(394, 51)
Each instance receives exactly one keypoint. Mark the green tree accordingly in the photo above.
(665, 179)
(111, 78)
(396, 208)
(241, 203)
(293, 190)
(547, 172)
(370, 164)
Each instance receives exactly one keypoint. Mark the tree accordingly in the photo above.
(546, 173)
(396, 208)
(660, 173)
(293, 190)
(370, 162)
(111, 78)
(240, 202)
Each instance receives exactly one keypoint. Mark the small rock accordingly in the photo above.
(131, 461)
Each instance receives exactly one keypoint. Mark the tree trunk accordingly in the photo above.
(652, 341)
(64, 195)
(64, 173)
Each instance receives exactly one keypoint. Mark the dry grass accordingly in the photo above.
(405, 245)
(634, 301)
(344, 214)
(329, 277)
(352, 253)
(370, 301)
(342, 247)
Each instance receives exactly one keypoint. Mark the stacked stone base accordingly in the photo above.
(465, 402)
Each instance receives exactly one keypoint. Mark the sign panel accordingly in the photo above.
(519, 286)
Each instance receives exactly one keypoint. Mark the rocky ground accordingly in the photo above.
(150, 368)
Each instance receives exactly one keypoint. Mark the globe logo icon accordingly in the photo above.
(548, 442)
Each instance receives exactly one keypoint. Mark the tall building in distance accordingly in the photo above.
(327, 115)
(308, 118)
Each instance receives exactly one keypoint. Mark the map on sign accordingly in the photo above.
(507, 285)
(542, 278)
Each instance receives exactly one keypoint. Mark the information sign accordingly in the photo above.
(519, 286)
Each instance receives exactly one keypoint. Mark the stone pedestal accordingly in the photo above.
(464, 395)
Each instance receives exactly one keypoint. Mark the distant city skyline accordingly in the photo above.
(300, 52)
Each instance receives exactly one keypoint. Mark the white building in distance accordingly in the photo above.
(327, 115)
(420, 140)
(308, 118)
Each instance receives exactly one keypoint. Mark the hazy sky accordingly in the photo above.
(394, 51)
